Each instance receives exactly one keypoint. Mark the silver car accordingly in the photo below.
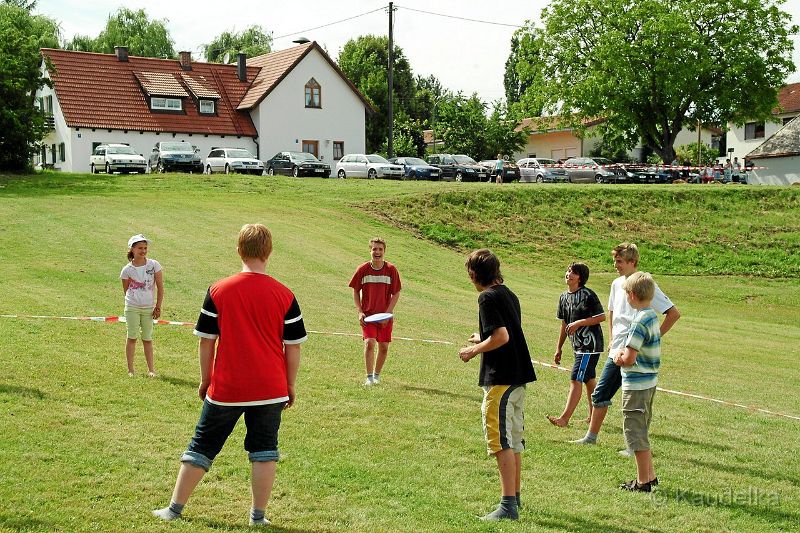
(595, 170)
(541, 170)
(367, 166)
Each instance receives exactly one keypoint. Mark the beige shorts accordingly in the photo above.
(637, 411)
(503, 413)
(139, 319)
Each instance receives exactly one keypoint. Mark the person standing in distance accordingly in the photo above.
(141, 277)
(376, 289)
(250, 330)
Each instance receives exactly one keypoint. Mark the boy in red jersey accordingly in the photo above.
(250, 330)
(376, 289)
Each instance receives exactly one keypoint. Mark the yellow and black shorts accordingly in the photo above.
(503, 413)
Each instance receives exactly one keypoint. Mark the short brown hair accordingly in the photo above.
(642, 286)
(485, 266)
(627, 251)
(377, 240)
(255, 242)
(582, 271)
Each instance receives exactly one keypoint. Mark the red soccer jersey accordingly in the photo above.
(254, 316)
(377, 286)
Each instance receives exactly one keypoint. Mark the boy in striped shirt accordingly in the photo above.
(640, 360)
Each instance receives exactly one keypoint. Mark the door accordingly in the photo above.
(98, 158)
(311, 147)
(359, 167)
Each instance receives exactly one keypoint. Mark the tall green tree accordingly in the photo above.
(501, 132)
(364, 60)
(21, 123)
(253, 41)
(126, 27)
(523, 71)
(649, 66)
(460, 125)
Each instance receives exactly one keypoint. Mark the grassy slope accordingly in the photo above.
(82, 447)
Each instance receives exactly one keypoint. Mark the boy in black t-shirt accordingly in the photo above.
(505, 369)
(580, 312)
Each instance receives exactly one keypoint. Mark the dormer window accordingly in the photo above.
(207, 107)
(313, 94)
(168, 104)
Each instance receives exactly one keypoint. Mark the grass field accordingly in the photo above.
(85, 448)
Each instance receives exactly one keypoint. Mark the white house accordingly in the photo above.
(295, 99)
(777, 160)
(744, 139)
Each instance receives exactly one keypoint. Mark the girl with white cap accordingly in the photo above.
(141, 277)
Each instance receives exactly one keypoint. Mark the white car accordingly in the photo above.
(112, 158)
(541, 170)
(367, 166)
(230, 160)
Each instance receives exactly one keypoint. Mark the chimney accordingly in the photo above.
(186, 60)
(241, 66)
(121, 52)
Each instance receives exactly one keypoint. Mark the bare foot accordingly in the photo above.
(557, 421)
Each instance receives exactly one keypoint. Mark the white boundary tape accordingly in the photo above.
(430, 341)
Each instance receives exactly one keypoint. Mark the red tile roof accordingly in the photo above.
(99, 91)
(276, 65)
(552, 123)
(788, 99)
(160, 84)
(199, 86)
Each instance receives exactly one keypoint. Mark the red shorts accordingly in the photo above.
(380, 331)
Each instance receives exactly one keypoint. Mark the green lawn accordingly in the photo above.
(85, 448)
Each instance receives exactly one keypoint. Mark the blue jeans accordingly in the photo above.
(607, 386)
(217, 422)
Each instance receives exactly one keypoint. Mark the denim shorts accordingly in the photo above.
(607, 386)
(217, 422)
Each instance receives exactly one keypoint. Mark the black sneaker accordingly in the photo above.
(635, 486)
(654, 482)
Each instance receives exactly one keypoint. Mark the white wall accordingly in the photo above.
(283, 121)
(741, 147)
(556, 145)
(778, 171)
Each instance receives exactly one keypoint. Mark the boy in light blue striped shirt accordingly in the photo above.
(640, 361)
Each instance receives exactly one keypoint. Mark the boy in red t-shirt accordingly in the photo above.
(376, 289)
(250, 330)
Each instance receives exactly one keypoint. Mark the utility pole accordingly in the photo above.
(390, 149)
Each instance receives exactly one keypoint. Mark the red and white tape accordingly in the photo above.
(431, 341)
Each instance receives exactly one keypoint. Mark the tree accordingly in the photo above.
(142, 36)
(501, 133)
(460, 124)
(253, 41)
(365, 61)
(21, 123)
(649, 67)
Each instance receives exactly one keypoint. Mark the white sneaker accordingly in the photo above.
(376, 380)
(626, 453)
(263, 522)
(369, 382)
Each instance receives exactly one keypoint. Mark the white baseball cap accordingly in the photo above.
(137, 238)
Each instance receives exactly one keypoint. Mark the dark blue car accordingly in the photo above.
(416, 169)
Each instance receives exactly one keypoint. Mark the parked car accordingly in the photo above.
(175, 155)
(595, 169)
(415, 168)
(367, 166)
(510, 169)
(652, 175)
(229, 160)
(541, 170)
(297, 164)
(116, 158)
(458, 167)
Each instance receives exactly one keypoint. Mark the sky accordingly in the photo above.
(464, 55)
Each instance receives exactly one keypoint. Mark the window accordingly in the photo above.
(169, 104)
(787, 120)
(313, 94)
(207, 107)
(49, 101)
(311, 147)
(53, 153)
(753, 130)
(338, 150)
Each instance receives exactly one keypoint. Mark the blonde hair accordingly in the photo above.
(641, 285)
(377, 240)
(255, 242)
(627, 251)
